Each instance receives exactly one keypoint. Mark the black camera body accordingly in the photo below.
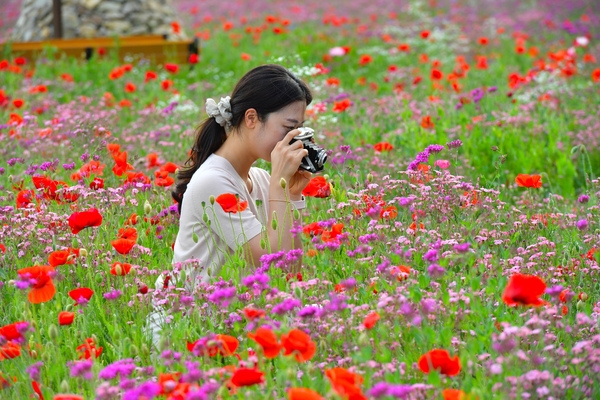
(317, 156)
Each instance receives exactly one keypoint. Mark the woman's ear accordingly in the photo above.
(251, 118)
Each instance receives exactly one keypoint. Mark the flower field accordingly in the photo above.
(451, 245)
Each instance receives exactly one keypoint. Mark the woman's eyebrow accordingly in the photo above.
(295, 121)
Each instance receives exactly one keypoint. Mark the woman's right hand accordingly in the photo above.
(286, 157)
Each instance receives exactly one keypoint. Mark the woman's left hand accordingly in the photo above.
(298, 182)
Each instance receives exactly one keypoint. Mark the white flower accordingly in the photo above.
(582, 41)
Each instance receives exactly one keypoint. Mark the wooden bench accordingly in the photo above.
(154, 48)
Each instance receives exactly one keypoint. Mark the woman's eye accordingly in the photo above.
(289, 128)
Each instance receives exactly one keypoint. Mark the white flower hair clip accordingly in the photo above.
(220, 111)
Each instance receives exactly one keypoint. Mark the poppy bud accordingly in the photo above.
(33, 354)
(583, 296)
(99, 278)
(263, 243)
(11, 178)
(83, 252)
(282, 183)
(274, 221)
(580, 305)
(363, 339)
(195, 237)
(74, 243)
(143, 289)
(71, 257)
(296, 214)
(182, 276)
(53, 332)
(370, 177)
(205, 218)
(298, 292)
(211, 199)
(118, 270)
(147, 207)
(64, 386)
(134, 350)
(145, 350)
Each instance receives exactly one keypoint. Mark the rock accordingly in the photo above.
(94, 18)
(90, 4)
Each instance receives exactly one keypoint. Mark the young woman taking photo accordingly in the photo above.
(258, 121)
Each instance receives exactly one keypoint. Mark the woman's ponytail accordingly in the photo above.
(209, 138)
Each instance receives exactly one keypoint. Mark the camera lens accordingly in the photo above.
(321, 158)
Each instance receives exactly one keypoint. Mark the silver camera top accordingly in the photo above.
(305, 133)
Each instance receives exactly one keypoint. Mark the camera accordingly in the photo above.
(315, 160)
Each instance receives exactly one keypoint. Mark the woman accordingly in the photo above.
(258, 121)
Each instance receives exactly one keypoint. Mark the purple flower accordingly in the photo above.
(69, 167)
(286, 305)
(455, 144)
(308, 311)
(222, 296)
(436, 271)
(584, 198)
(112, 295)
(122, 368)
(81, 369)
(462, 247)
(348, 283)
(582, 224)
(434, 148)
(431, 255)
(554, 291)
(34, 370)
(337, 303)
(146, 389)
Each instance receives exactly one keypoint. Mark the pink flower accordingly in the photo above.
(442, 164)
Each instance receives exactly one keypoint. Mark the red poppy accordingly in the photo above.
(128, 233)
(150, 75)
(62, 257)
(67, 397)
(426, 122)
(312, 229)
(18, 103)
(230, 203)
(365, 59)
(383, 146)
(9, 350)
(123, 246)
(120, 269)
(267, 340)
(65, 318)
(13, 331)
(401, 272)
(91, 168)
(439, 359)
(84, 219)
(342, 105)
(2, 248)
(162, 178)
(371, 320)
(121, 164)
(317, 187)
(129, 87)
(253, 313)
(345, 383)
(43, 289)
(298, 343)
(425, 34)
(4, 382)
(404, 47)
(97, 183)
(193, 59)
(331, 234)
(436, 74)
(224, 345)
(50, 188)
(85, 293)
(454, 394)
(303, 394)
(89, 350)
(172, 68)
(24, 198)
(596, 75)
(529, 181)
(389, 212)
(247, 377)
(524, 290)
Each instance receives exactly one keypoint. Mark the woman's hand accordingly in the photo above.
(285, 161)
(298, 182)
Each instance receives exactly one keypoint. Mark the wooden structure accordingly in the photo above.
(154, 48)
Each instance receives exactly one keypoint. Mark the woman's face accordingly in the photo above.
(276, 126)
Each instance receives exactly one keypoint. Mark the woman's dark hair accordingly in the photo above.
(267, 89)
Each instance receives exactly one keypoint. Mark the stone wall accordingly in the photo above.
(96, 18)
